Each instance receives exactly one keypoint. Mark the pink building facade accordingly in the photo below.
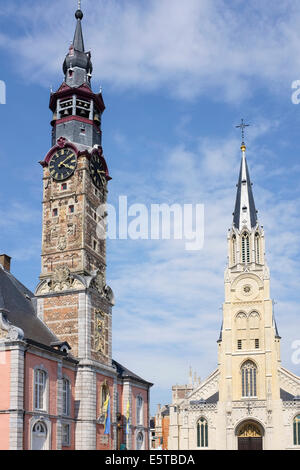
(60, 387)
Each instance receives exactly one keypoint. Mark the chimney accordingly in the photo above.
(5, 261)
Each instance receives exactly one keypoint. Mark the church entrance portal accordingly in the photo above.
(250, 437)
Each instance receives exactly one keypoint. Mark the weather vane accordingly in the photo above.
(242, 127)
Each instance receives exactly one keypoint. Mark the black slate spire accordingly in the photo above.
(245, 214)
(78, 36)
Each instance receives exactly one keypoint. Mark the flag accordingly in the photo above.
(127, 417)
(106, 407)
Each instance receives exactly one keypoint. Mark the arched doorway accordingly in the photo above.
(39, 437)
(250, 436)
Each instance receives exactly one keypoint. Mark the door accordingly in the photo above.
(250, 443)
(250, 437)
(39, 436)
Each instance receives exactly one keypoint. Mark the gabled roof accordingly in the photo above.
(126, 373)
(17, 302)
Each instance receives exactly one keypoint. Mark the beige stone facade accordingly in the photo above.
(250, 401)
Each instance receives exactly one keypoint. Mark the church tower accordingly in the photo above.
(250, 402)
(73, 298)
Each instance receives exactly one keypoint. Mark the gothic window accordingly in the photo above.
(66, 396)
(257, 248)
(245, 248)
(239, 344)
(254, 320)
(249, 377)
(234, 249)
(139, 410)
(202, 433)
(241, 320)
(296, 430)
(40, 378)
(256, 343)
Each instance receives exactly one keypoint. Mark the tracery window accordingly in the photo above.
(257, 248)
(245, 248)
(249, 379)
(234, 249)
(202, 433)
(296, 431)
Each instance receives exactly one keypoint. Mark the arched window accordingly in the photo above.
(257, 248)
(202, 433)
(40, 379)
(104, 394)
(139, 410)
(139, 441)
(234, 249)
(296, 430)
(245, 248)
(249, 376)
(66, 390)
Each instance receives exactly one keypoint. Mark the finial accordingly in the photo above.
(79, 14)
(242, 127)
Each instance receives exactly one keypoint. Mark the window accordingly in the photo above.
(257, 248)
(39, 436)
(202, 433)
(64, 187)
(40, 378)
(257, 344)
(296, 430)
(104, 394)
(234, 249)
(239, 344)
(66, 108)
(139, 410)
(66, 391)
(66, 434)
(71, 209)
(55, 212)
(95, 245)
(249, 375)
(139, 441)
(245, 248)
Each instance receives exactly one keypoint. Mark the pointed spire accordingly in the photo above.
(245, 213)
(78, 36)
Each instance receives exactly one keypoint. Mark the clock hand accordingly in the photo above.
(63, 163)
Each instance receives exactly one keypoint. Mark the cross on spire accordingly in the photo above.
(79, 4)
(242, 126)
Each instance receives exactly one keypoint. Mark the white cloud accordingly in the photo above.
(223, 48)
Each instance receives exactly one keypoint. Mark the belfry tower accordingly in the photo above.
(73, 298)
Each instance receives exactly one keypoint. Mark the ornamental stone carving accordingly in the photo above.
(61, 280)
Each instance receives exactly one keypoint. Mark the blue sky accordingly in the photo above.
(176, 77)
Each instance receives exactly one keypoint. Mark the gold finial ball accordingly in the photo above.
(243, 147)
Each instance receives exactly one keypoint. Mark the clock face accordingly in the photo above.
(63, 164)
(98, 171)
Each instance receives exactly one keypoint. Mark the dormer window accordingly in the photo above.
(244, 208)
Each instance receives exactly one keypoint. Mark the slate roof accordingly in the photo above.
(244, 186)
(285, 396)
(126, 373)
(18, 304)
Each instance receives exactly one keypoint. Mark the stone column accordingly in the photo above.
(85, 408)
